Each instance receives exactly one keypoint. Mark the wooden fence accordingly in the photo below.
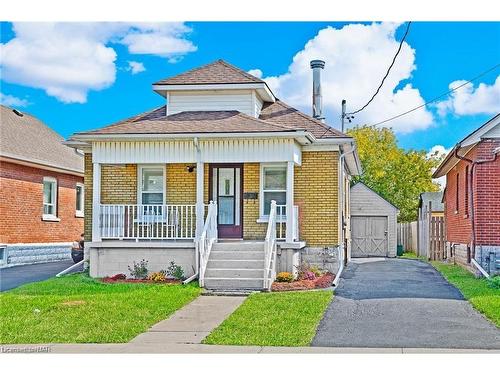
(426, 236)
(407, 236)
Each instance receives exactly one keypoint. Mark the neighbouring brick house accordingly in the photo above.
(472, 197)
(41, 191)
(223, 159)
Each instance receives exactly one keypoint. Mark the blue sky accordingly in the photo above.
(76, 77)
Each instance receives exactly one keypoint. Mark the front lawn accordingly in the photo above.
(78, 309)
(273, 319)
(479, 292)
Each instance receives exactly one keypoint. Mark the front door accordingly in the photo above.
(226, 188)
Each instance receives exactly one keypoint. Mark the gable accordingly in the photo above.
(366, 201)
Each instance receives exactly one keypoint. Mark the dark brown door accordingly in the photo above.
(226, 188)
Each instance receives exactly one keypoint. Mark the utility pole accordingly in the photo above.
(343, 114)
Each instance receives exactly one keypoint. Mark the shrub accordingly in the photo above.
(175, 271)
(284, 277)
(118, 276)
(317, 271)
(139, 270)
(494, 282)
(308, 275)
(158, 277)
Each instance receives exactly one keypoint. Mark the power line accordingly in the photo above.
(387, 73)
(438, 97)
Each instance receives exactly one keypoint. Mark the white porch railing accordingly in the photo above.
(149, 221)
(207, 238)
(281, 222)
(270, 248)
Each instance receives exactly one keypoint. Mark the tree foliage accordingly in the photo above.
(396, 174)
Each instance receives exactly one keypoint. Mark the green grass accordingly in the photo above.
(78, 309)
(480, 294)
(411, 255)
(273, 319)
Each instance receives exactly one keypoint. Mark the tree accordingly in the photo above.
(396, 174)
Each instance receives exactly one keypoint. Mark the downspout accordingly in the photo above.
(470, 190)
(341, 189)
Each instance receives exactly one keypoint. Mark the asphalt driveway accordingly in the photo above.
(400, 303)
(13, 277)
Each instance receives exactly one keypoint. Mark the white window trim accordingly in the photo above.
(50, 217)
(139, 180)
(265, 218)
(80, 213)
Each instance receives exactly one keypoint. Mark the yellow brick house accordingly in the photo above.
(226, 180)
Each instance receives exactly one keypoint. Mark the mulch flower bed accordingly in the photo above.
(321, 282)
(121, 278)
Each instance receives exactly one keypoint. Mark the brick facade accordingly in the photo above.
(486, 187)
(21, 205)
(316, 190)
(316, 194)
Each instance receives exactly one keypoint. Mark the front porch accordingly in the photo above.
(178, 210)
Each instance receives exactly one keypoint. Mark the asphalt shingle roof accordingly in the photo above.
(156, 122)
(27, 138)
(436, 199)
(218, 72)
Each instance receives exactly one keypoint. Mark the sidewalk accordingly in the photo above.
(130, 348)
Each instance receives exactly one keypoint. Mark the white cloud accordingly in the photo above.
(68, 60)
(135, 67)
(13, 101)
(470, 100)
(439, 152)
(255, 72)
(357, 57)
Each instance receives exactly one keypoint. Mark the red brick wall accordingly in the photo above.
(486, 187)
(21, 206)
(487, 195)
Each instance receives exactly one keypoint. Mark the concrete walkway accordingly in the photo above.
(387, 303)
(192, 323)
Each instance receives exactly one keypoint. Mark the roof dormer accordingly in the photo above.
(217, 86)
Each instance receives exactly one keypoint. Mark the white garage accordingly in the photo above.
(373, 224)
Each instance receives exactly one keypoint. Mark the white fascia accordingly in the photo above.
(264, 91)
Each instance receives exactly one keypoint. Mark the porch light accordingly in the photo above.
(190, 168)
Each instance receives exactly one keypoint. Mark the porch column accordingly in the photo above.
(96, 201)
(289, 201)
(200, 207)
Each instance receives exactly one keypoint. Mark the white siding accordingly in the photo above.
(211, 151)
(365, 202)
(257, 103)
(214, 100)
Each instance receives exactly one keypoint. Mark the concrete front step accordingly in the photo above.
(234, 272)
(233, 255)
(235, 264)
(221, 283)
(239, 246)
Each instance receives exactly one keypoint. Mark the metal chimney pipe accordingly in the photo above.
(317, 66)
